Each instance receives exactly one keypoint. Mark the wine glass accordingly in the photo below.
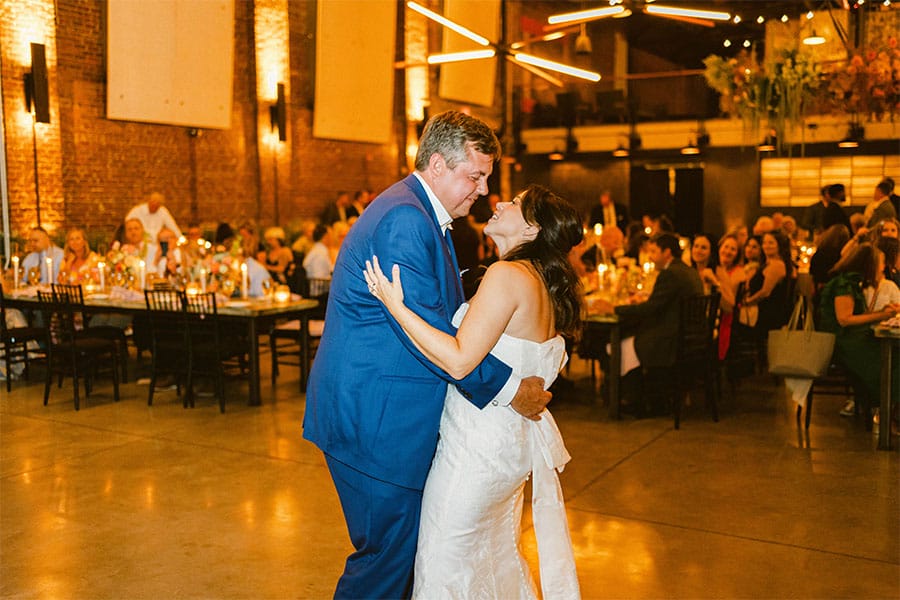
(34, 275)
(267, 288)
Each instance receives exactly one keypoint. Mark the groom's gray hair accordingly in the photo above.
(451, 134)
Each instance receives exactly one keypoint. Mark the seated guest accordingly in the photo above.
(764, 224)
(249, 239)
(751, 255)
(39, 249)
(154, 216)
(702, 259)
(339, 231)
(258, 278)
(727, 278)
(842, 311)
(789, 227)
(891, 249)
(318, 263)
(168, 261)
(137, 242)
(79, 261)
(828, 252)
(224, 232)
(889, 228)
(769, 288)
(655, 321)
(304, 241)
(857, 222)
(278, 258)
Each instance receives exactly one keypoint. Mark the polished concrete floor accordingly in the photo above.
(122, 500)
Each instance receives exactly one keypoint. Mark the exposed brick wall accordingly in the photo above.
(21, 24)
(93, 169)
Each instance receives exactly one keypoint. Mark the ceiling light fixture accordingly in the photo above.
(691, 148)
(768, 144)
(813, 39)
(466, 33)
(584, 15)
(439, 59)
(673, 11)
(855, 133)
(543, 63)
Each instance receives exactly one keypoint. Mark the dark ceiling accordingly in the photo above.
(688, 44)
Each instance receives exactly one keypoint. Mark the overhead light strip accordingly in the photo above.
(674, 11)
(555, 66)
(439, 59)
(584, 15)
(534, 70)
(480, 40)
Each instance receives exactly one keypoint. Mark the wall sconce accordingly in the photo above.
(37, 92)
(278, 115)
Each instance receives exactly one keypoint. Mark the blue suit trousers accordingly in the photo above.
(383, 522)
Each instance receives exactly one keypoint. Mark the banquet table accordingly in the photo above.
(610, 325)
(889, 337)
(254, 313)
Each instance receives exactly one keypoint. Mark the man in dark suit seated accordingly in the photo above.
(608, 213)
(654, 322)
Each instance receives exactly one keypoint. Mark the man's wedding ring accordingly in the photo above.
(372, 287)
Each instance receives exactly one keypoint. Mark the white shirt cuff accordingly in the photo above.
(508, 391)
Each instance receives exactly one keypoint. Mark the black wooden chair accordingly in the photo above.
(697, 351)
(75, 295)
(70, 352)
(208, 348)
(284, 338)
(14, 344)
(169, 339)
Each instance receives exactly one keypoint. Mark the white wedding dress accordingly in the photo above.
(470, 526)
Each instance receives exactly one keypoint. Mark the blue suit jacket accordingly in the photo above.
(373, 401)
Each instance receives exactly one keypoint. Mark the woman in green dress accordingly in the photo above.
(843, 311)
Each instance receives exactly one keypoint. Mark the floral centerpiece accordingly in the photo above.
(779, 92)
(868, 84)
(123, 263)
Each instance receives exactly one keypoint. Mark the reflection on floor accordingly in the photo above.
(122, 500)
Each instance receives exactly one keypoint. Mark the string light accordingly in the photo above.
(737, 19)
(809, 15)
(760, 19)
(727, 43)
(746, 43)
(784, 18)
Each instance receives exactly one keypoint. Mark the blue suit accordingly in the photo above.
(374, 403)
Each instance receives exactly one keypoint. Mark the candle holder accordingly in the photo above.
(282, 294)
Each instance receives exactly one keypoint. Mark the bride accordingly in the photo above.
(470, 526)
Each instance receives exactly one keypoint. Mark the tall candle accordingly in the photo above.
(245, 291)
(101, 266)
(203, 280)
(142, 266)
(15, 266)
(49, 261)
(601, 275)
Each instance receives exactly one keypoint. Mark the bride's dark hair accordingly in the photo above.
(560, 230)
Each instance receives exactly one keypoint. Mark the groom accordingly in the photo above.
(373, 404)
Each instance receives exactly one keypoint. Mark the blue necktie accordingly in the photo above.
(457, 282)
